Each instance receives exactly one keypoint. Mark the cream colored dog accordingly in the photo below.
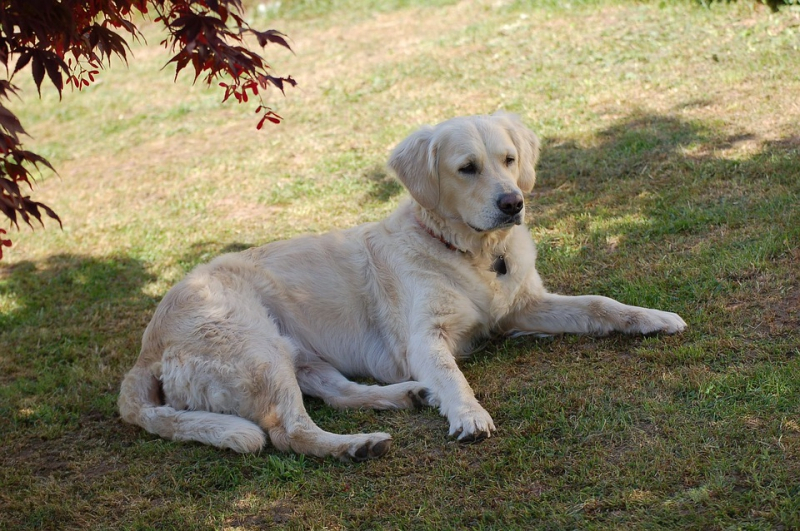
(232, 348)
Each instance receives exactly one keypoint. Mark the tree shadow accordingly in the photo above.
(71, 326)
(663, 167)
(66, 309)
(644, 144)
(672, 200)
(382, 185)
(625, 150)
(205, 251)
(66, 306)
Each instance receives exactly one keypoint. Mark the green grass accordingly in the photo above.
(670, 177)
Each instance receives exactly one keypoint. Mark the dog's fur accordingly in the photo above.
(232, 348)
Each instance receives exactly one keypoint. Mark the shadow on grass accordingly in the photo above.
(205, 251)
(72, 323)
(73, 328)
(67, 306)
(623, 151)
(653, 178)
(382, 185)
(660, 148)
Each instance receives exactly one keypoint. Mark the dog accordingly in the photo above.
(233, 347)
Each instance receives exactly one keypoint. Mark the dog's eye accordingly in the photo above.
(510, 160)
(469, 169)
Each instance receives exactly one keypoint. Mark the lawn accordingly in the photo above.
(670, 178)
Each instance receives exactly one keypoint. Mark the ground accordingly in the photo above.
(668, 178)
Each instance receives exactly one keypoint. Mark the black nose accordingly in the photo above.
(510, 203)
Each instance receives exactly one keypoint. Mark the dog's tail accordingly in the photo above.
(140, 403)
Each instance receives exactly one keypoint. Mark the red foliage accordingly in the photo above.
(70, 41)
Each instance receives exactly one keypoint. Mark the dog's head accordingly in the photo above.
(473, 169)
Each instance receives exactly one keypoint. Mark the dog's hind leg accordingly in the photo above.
(270, 396)
(290, 428)
(319, 379)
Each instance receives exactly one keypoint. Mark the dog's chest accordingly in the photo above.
(495, 284)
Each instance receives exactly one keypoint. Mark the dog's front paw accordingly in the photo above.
(658, 322)
(471, 424)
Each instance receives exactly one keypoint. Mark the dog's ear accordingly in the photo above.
(415, 163)
(527, 144)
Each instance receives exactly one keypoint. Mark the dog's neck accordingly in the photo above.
(458, 236)
(439, 237)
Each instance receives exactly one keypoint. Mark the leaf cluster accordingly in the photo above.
(201, 39)
(68, 42)
(13, 171)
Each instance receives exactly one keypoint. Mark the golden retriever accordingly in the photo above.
(232, 348)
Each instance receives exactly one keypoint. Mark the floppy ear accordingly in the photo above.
(414, 162)
(527, 144)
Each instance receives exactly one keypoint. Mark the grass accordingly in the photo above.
(669, 178)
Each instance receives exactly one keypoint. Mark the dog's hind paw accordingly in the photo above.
(420, 397)
(375, 445)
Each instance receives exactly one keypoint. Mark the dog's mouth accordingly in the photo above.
(500, 223)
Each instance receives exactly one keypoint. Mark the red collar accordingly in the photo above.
(438, 237)
(499, 265)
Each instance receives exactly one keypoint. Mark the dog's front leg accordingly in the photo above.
(433, 365)
(554, 314)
